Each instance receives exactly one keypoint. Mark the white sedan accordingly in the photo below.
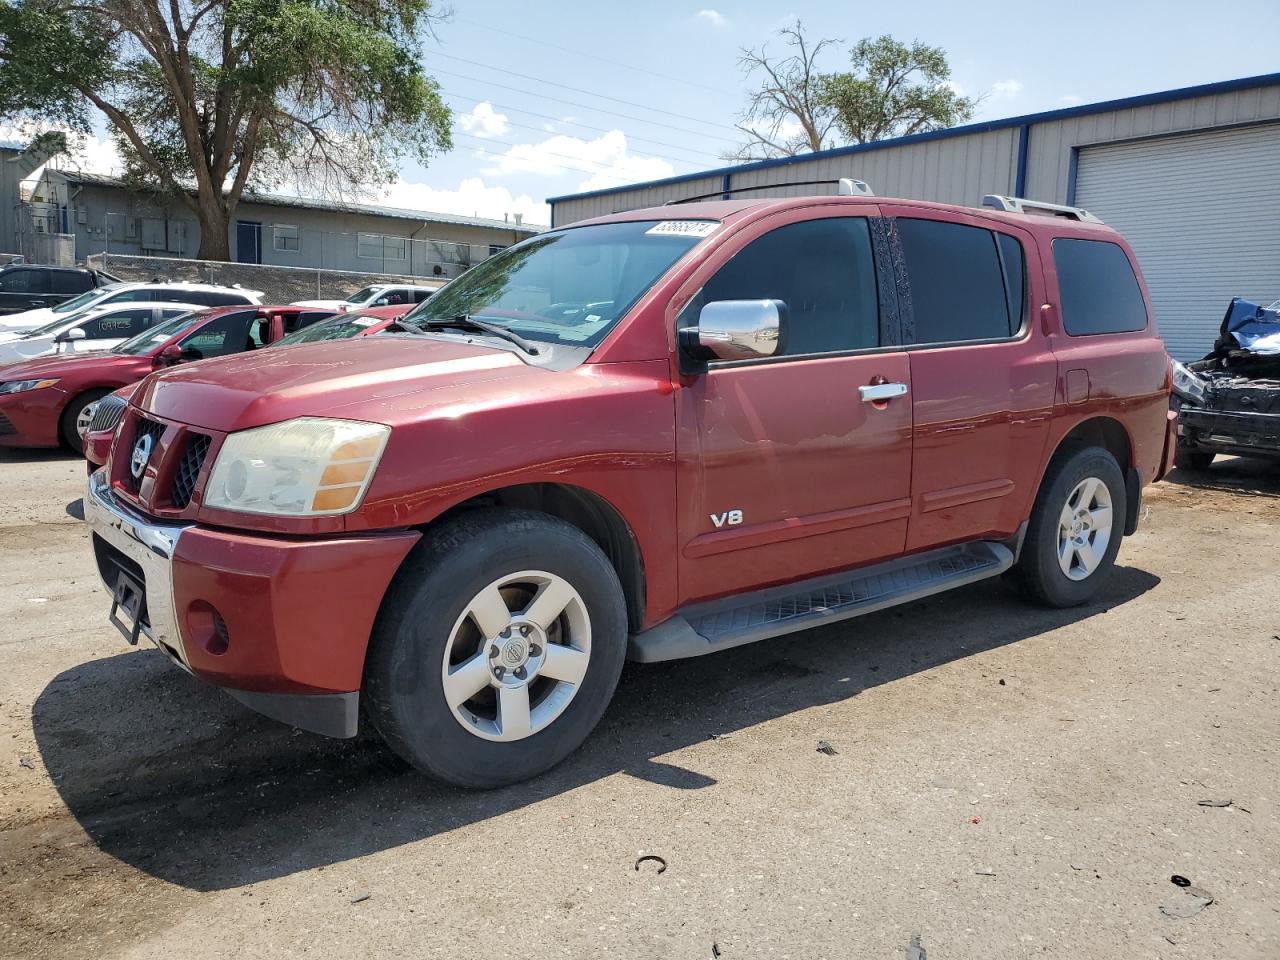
(98, 328)
(116, 294)
(374, 295)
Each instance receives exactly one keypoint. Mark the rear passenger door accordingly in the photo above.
(982, 375)
(785, 470)
(112, 327)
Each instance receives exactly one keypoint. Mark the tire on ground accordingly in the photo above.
(403, 688)
(1191, 458)
(1039, 571)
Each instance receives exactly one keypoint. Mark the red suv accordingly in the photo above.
(657, 434)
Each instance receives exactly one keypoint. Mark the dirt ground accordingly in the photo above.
(1006, 781)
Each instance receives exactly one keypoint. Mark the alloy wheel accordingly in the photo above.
(1084, 528)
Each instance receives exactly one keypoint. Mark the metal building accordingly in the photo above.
(1191, 177)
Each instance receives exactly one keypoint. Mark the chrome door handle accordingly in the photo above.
(878, 392)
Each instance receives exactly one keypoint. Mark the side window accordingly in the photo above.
(71, 282)
(220, 337)
(259, 333)
(17, 281)
(957, 282)
(117, 324)
(132, 296)
(420, 295)
(825, 273)
(1098, 288)
(1014, 263)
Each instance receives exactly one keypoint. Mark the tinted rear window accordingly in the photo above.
(958, 282)
(1099, 291)
(71, 282)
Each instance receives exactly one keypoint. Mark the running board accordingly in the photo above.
(733, 621)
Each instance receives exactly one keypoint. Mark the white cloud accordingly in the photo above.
(606, 159)
(1070, 100)
(484, 121)
(472, 198)
(85, 152)
(713, 17)
(1006, 89)
(955, 88)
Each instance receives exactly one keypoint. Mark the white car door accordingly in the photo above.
(106, 329)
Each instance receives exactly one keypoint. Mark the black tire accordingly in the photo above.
(1191, 458)
(1039, 571)
(403, 689)
(67, 422)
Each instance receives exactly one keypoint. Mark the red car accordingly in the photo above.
(48, 402)
(657, 434)
(99, 421)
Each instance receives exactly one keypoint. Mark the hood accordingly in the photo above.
(58, 365)
(24, 348)
(384, 379)
(27, 320)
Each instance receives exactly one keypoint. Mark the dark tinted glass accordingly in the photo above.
(822, 269)
(1015, 279)
(221, 336)
(71, 282)
(957, 285)
(118, 325)
(1099, 291)
(18, 281)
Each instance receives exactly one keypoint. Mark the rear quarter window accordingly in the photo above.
(1098, 288)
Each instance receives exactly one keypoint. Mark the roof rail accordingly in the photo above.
(1023, 205)
(846, 188)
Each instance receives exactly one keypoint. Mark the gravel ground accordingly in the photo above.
(1004, 781)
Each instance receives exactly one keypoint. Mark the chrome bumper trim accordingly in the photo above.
(150, 545)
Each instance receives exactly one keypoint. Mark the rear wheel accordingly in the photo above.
(1191, 458)
(77, 413)
(498, 648)
(1075, 528)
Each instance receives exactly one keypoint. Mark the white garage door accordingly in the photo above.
(1202, 211)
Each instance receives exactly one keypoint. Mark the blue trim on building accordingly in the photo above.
(1084, 110)
(1020, 180)
(1073, 164)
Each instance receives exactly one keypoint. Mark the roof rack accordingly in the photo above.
(1023, 205)
(848, 187)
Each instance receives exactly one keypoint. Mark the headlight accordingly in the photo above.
(21, 386)
(1186, 384)
(307, 467)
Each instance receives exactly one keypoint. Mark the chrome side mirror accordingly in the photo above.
(741, 329)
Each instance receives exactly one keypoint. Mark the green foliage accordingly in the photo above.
(893, 90)
(212, 97)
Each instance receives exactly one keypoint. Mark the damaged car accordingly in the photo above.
(1229, 402)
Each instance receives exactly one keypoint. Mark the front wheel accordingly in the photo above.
(1075, 528)
(1191, 458)
(76, 417)
(498, 648)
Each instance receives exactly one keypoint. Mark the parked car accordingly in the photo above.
(28, 286)
(1229, 402)
(97, 328)
(46, 402)
(375, 295)
(201, 294)
(100, 420)
(661, 433)
(347, 326)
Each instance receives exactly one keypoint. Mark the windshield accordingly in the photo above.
(335, 328)
(570, 286)
(154, 336)
(77, 303)
(360, 296)
(53, 326)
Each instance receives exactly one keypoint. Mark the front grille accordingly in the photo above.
(108, 414)
(184, 481)
(144, 425)
(6, 426)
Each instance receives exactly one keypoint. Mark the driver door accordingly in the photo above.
(786, 471)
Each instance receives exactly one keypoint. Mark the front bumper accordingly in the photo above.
(1230, 432)
(281, 624)
(30, 419)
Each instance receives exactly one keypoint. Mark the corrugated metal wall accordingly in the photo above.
(964, 167)
(1050, 144)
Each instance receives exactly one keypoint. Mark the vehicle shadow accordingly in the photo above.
(175, 778)
(1243, 475)
(36, 454)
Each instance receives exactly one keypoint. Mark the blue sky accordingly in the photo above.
(671, 71)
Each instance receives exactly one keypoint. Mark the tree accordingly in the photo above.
(209, 97)
(785, 116)
(893, 90)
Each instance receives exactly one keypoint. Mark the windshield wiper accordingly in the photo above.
(467, 322)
